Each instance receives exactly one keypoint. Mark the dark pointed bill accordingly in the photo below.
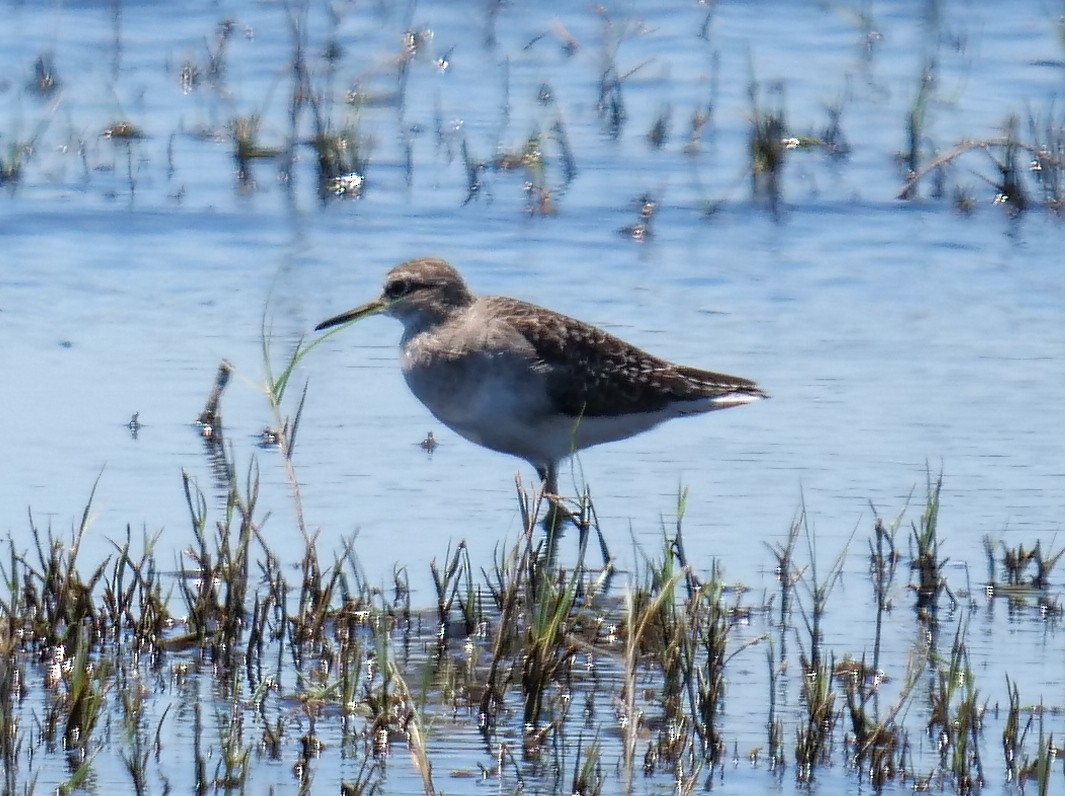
(371, 308)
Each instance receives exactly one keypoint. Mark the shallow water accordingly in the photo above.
(895, 337)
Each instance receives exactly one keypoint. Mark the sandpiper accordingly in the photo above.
(524, 380)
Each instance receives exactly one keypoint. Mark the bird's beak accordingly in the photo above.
(366, 310)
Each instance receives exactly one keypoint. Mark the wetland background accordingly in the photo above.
(855, 205)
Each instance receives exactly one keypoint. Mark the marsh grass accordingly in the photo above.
(457, 575)
(307, 663)
(301, 667)
(216, 585)
(925, 554)
(766, 142)
(305, 673)
(883, 563)
(569, 684)
(956, 717)
(341, 150)
(19, 151)
(245, 133)
(587, 768)
(1025, 172)
(916, 123)
(337, 118)
(1027, 572)
(879, 745)
(815, 737)
(12, 677)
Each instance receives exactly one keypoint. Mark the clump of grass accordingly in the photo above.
(1011, 159)
(916, 122)
(342, 151)
(56, 599)
(456, 575)
(19, 151)
(926, 561)
(245, 133)
(681, 626)
(234, 753)
(12, 676)
(646, 608)
(774, 722)
(45, 81)
(883, 563)
(1017, 562)
(611, 101)
(505, 586)
(367, 779)
(701, 644)
(1010, 190)
(1027, 575)
(85, 682)
(766, 144)
(1047, 164)
(545, 160)
(956, 718)
(216, 588)
(133, 598)
(134, 698)
(587, 768)
(209, 420)
(549, 597)
(813, 743)
(1012, 735)
(878, 743)
(787, 572)
(343, 158)
(316, 593)
(659, 132)
(1040, 768)
(815, 735)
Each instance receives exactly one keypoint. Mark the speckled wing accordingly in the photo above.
(592, 373)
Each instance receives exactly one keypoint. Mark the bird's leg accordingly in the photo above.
(549, 479)
(556, 512)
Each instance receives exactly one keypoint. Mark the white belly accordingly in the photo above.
(504, 406)
(500, 406)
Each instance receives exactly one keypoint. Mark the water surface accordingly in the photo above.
(895, 337)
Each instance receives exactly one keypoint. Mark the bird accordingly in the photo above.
(527, 381)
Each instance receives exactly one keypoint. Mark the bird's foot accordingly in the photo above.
(555, 517)
(559, 515)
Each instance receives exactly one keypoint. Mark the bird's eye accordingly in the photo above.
(397, 288)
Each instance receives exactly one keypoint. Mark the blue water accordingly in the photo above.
(895, 337)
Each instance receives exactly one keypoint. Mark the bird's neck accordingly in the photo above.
(424, 323)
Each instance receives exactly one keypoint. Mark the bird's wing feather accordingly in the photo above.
(592, 373)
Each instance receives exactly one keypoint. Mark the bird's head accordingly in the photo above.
(418, 292)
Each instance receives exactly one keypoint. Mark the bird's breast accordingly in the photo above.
(471, 391)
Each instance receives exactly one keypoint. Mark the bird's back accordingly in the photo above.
(592, 373)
